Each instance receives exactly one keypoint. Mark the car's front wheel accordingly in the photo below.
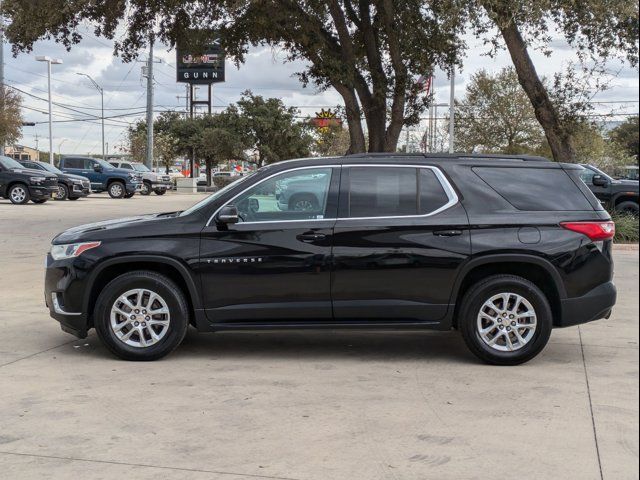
(146, 188)
(160, 191)
(141, 315)
(63, 192)
(505, 320)
(116, 190)
(19, 194)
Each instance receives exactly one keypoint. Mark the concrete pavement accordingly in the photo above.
(301, 405)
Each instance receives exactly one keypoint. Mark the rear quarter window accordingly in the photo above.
(535, 189)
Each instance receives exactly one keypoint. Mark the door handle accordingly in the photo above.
(448, 233)
(311, 237)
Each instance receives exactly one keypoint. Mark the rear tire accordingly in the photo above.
(630, 208)
(135, 333)
(519, 323)
(19, 194)
(304, 202)
(116, 190)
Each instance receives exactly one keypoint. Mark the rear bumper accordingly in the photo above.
(596, 304)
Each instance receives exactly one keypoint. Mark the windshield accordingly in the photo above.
(140, 167)
(216, 195)
(9, 162)
(49, 167)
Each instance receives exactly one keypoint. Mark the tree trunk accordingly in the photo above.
(352, 110)
(560, 140)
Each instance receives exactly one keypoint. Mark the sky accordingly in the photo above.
(264, 72)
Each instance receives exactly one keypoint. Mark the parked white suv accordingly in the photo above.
(151, 181)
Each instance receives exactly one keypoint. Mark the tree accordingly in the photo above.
(332, 141)
(496, 116)
(137, 141)
(596, 30)
(369, 51)
(272, 128)
(625, 136)
(10, 116)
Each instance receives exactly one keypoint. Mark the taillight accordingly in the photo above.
(596, 231)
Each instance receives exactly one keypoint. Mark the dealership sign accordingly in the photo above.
(202, 68)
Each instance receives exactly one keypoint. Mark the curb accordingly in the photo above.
(625, 247)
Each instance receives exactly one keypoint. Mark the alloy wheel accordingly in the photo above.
(116, 190)
(303, 206)
(506, 322)
(18, 194)
(140, 318)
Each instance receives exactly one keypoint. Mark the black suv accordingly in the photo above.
(616, 195)
(502, 249)
(70, 187)
(20, 184)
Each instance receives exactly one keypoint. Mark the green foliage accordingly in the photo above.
(626, 228)
(10, 116)
(625, 136)
(496, 116)
(331, 142)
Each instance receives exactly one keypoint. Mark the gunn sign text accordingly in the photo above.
(202, 68)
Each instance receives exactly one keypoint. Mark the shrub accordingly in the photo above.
(626, 228)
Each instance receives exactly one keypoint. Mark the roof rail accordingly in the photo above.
(456, 156)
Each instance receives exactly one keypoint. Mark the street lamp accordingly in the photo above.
(55, 61)
(99, 88)
(60, 147)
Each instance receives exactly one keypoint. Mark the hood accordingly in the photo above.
(104, 229)
(32, 171)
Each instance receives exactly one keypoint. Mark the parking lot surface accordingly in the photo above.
(301, 405)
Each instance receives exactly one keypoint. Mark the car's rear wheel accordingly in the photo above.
(141, 315)
(63, 192)
(116, 190)
(19, 194)
(505, 320)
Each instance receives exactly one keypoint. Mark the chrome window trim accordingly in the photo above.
(307, 167)
(444, 182)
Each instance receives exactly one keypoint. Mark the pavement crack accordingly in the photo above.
(38, 353)
(593, 420)
(162, 467)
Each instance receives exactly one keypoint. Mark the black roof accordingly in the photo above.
(452, 156)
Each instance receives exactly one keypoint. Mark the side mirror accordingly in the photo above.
(97, 168)
(599, 181)
(228, 214)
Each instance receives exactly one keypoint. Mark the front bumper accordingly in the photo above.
(160, 186)
(594, 305)
(79, 190)
(133, 187)
(40, 192)
(64, 293)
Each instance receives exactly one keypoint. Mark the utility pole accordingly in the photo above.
(149, 161)
(452, 110)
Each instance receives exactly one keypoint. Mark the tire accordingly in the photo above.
(129, 195)
(63, 192)
(170, 297)
(40, 200)
(19, 194)
(304, 202)
(116, 189)
(630, 208)
(146, 189)
(534, 339)
(74, 198)
(160, 192)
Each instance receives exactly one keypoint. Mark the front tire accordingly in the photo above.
(505, 320)
(141, 316)
(129, 195)
(146, 189)
(116, 190)
(160, 192)
(40, 201)
(63, 192)
(19, 194)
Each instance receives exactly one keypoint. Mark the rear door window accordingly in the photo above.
(535, 189)
(74, 163)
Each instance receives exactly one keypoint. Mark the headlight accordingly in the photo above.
(77, 182)
(70, 250)
(133, 176)
(37, 180)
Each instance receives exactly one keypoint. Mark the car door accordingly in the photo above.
(400, 238)
(274, 264)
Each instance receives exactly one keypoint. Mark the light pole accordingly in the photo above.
(60, 147)
(99, 88)
(55, 61)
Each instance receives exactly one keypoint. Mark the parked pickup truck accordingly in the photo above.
(104, 177)
(616, 195)
(151, 181)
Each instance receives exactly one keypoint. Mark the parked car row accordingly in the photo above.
(22, 181)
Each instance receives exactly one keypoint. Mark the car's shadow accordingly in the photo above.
(315, 344)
